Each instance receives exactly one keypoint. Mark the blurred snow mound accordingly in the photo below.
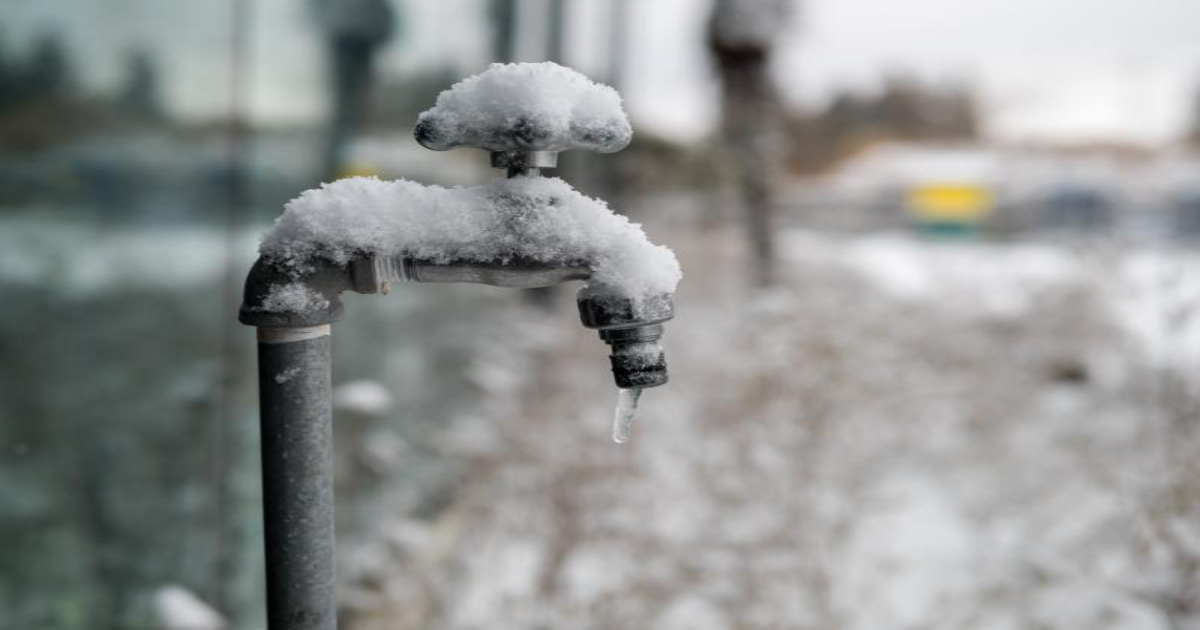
(365, 397)
(177, 608)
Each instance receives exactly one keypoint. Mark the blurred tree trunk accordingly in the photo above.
(1193, 134)
(355, 31)
(741, 34)
(503, 17)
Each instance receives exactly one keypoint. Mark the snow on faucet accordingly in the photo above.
(364, 234)
(526, 107)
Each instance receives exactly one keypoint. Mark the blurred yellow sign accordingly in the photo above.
(357, 170)
(950, 202)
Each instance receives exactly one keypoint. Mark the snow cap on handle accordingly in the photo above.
(526, 107)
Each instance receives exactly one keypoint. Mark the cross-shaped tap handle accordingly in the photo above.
(526, 108)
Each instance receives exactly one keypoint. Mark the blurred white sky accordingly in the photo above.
(1062, 69)
(1065, 70)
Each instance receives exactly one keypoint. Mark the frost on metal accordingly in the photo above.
(526, 107)
(293, 298)
(537, 218)
(287, 375)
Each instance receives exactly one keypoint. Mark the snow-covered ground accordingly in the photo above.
(904, 434)
(118, 473)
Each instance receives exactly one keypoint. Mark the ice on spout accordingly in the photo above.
(627, 402)
(538, 218)
(526, 107)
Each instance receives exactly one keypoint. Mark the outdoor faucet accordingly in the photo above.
(632, 330)
(364, 235)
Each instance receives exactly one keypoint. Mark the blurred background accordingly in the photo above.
(935, 363)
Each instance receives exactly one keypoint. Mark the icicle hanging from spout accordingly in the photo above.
(627, 401)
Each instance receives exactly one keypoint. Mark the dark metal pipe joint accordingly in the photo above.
(632, 330)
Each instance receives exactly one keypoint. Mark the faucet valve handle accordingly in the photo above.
(441, 133)
(526, 108)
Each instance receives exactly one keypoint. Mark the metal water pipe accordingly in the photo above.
(295, 380)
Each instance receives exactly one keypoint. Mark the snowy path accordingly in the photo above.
(905, 434)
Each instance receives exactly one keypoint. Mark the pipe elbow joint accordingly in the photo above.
(279, 297)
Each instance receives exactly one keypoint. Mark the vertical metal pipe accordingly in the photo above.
(297, 456)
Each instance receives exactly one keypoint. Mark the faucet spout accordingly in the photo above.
(632, 330)
(280, 297)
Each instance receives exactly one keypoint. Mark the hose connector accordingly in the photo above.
(632, 330)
